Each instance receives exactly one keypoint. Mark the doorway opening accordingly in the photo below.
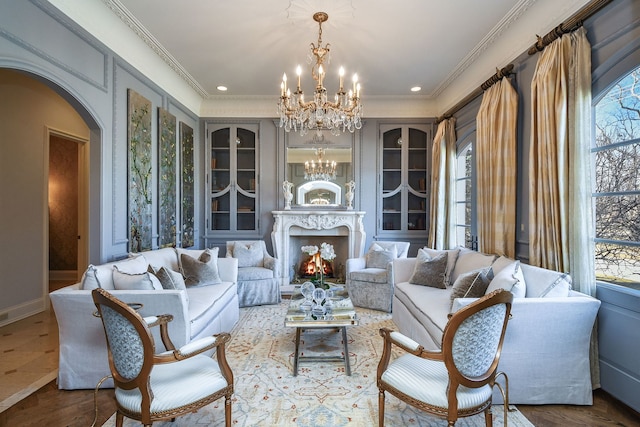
(67, 201)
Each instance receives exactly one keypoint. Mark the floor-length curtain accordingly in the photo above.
(561, 233)
(442, 223)
(560, 213)
(496, 157)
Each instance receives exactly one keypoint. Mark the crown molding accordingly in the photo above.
(136, 26)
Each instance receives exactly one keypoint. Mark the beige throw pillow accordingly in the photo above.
(138, 282)
(430, 271)
(201, 271)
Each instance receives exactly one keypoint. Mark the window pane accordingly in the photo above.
(617, 218)
(618, 263)
(617, 117)
(618, 169)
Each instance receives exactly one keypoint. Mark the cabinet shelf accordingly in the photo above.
(404, 180)
(234, 174)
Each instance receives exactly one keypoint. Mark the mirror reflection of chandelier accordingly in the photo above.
(320, 169)
(344, 113)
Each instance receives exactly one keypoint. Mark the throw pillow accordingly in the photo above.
(90, 279)
(248, 255)
(138, 282)
(378, 257)
(469, 260)
(201, 271)
(133, 265)
(168, 278)
(559, 288)
(451, 262)
(472, 284)
(511, 279)
(430, 271)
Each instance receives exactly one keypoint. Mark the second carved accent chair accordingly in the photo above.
(153, 386)
(457, 381)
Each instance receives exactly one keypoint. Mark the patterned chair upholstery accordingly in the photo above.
(458, 380)
(257, 272)
(370, 278)
(153, 386)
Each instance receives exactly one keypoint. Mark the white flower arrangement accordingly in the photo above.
(326, 251)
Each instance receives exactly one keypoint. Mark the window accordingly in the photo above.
(616, 190)
(465, 197)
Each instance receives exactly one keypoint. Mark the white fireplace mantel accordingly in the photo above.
(314, 223)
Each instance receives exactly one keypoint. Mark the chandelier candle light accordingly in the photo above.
(344, 113)
(323, 170)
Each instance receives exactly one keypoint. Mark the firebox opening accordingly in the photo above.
(311, 266)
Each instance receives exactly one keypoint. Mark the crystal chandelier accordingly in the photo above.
(320, 169)
(344, 113)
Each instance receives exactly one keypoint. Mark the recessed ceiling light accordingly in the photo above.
(416, 89)
(222, 88)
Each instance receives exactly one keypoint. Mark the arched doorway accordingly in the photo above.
(33, 108)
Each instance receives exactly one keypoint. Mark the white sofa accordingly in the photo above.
(546, 347)
(198, 311)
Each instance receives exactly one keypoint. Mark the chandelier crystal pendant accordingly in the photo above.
(320, 169)
(344, 113)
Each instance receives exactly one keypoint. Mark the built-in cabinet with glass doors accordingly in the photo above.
(232, 180)
(404, 180)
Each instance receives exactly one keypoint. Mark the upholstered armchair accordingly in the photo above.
(457, 381)
(257, 272)
(160, 385)
(369, 278)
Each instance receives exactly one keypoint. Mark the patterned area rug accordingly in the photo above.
(267, 394)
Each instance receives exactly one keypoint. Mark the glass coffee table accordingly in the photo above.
(341, 315)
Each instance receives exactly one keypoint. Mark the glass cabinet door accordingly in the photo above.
(404, 178)
(233, 178)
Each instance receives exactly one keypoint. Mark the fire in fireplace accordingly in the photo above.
(311, 266)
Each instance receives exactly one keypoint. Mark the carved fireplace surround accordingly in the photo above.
(316, 224)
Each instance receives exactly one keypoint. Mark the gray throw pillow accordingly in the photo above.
(168, 278)
(201, 271)
(248, 255)
(430, 271)
(378, 257)
(472, 284)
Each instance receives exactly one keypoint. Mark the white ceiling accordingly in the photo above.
(246, 45)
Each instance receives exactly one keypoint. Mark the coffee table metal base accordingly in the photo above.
(345, 358)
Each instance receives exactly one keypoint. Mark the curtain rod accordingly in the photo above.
(568, 26)
(500, 73)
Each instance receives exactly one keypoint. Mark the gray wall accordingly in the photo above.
(614, 34)
(37, 39)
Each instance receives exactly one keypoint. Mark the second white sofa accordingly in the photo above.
(546, 348)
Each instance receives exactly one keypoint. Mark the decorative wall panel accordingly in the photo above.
(139, 169)
(167, 187)
(188, 189)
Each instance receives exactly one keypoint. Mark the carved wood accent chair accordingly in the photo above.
(458, 380)
(152, 386)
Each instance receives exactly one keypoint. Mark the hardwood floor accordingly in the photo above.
(606, 411)
(29, 350)
(52, 407)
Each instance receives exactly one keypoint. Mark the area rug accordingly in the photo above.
(321, 395)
